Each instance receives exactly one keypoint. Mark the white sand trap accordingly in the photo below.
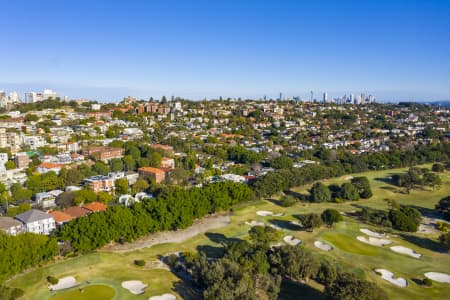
(64, 283)
(407, 251)
(163, 297)
(275, 227)
(291, 240)
(264, 213)
(374, 241)
(279, 215)
(323, 246)
(134, 286)
(373, 233)
(439, 277)
(389, 276)
(255, 223)
(296, 223)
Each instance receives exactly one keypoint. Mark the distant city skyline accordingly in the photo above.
(106, 50)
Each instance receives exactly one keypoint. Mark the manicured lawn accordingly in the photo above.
(349, 244)
(92, 292)
(349, 254)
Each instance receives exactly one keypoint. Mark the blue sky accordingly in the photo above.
(397, 50)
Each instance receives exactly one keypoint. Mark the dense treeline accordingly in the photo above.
(403, 218)
(338, 164)
(23, 251)
(170, 210)
(254, 270)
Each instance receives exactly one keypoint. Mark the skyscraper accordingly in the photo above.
(325, 97)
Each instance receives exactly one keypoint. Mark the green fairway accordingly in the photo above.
(92, 292)
(110, 269)
(349, 244)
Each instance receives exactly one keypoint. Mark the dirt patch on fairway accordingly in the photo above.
(178, 236)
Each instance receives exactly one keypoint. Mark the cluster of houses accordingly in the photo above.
(41, 222)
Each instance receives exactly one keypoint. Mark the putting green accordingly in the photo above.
(91, 292)
(349, 244)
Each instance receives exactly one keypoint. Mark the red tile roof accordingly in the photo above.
(60, 217)
(96, 206)
(76, 211)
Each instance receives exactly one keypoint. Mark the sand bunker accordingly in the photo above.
(374, 241)
(389, 276)
(264, 213)
(278, 215)
(289, 239)
(134, 286)
(407, 251)
(438, 277)
(323, 246)
(163, 297)
(255, 223)
(64, 283)
(275, 227)
(373, 233)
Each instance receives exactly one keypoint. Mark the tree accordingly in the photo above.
(10, 165)
(155, 159)
(437, 167)
(84, 196)
(264, 235)
(116, 165)
(281, 162)
(348, 287)
(320, 193)
(330, 216)
(15, 210)
(287, 201)
(104, 197)
(432, 179)
(445, 241)
(31, 118)
(363, 186)
(294, 263)
(122, 186)
(444, 207)
(348, 192)
(101, 168)
(141, 185)
(310, 221)
(19, 193)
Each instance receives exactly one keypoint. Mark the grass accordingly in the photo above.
(349, 244)
(349, 254)
(92, 292)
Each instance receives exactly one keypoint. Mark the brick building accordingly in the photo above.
(157, 174)
(104, 153)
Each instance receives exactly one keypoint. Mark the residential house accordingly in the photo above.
(60, 217)
(37, 221)
(11, 226)
(45, 200)
(77, 212)
(95, 206)
(48, 167)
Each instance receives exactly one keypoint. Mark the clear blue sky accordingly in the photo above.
(398, 50)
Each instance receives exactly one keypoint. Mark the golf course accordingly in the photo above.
(100, 274)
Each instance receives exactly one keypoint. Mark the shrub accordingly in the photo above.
(172, 260)
(443, 226)
(287, 201)
(139, 262)
(427, 282)
(52, 280)
(330, 216)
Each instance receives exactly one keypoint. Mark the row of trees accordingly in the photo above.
(359, 187)
(403, 218)
(170, 210)
(23, 251)
(337, 163)
(417, 177)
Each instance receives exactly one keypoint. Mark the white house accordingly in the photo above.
(37, 221)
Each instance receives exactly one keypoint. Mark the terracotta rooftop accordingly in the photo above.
(76, 211)
(46, 165)
(150, 170)
(96, 206)
(60, 217)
